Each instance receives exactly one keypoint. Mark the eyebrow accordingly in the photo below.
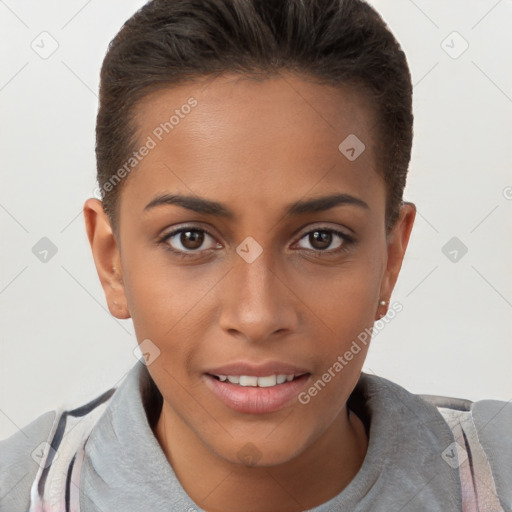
(209, 207)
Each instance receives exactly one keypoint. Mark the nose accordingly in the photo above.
(257, 303)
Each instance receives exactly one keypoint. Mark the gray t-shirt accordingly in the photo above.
(124, 468)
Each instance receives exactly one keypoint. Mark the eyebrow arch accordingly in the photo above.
(209, 207)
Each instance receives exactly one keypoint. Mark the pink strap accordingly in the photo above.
(478, 487)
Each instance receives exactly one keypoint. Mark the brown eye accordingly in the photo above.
(191, 239)
(320, 239)
(326, 241)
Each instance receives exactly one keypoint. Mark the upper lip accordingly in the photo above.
(258, 370)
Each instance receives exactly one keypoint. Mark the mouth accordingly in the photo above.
(256, 394)
(267, 381)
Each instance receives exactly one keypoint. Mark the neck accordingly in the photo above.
(318, 474)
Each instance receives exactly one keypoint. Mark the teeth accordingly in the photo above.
(248, 381)
(262, 382)
(267, 382)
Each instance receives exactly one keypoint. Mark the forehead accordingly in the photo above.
(238, 139)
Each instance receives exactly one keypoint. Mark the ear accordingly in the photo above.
(397, 242)
(107, 258)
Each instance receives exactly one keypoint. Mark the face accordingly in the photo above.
(251, 246)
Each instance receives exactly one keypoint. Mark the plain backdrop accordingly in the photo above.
(60, 345)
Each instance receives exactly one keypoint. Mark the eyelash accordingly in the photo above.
(348, 241)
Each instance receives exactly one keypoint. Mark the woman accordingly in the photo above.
(252, 158)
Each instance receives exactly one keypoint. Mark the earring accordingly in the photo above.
(383, 303)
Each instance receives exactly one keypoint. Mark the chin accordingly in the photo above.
(261, 451)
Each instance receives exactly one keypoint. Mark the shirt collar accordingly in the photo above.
(126, 469)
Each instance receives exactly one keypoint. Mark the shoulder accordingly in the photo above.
(19, 461)
(486, 436)
(44, 450)
(493, 422)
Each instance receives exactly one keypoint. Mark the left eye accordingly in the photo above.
(190, 239)
(321, 239)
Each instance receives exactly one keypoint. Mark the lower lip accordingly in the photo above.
(256, 400)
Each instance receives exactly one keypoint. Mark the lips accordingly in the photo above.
(256, 389)
(258, 370)
(267, 381)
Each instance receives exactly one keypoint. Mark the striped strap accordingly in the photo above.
(56, 486)
(478, 488)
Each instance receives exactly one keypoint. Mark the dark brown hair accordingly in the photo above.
(336, 42)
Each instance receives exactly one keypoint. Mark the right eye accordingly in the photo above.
(186, 241)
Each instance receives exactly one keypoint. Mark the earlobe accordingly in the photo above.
(396, 246)
(106, 256)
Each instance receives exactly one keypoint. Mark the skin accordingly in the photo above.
(254, 146)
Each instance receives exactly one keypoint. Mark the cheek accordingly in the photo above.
(159, 293)
(340, 350)
(344, 308)
(348, 295)
(167, 305)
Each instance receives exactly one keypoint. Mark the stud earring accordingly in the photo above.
(383, 303)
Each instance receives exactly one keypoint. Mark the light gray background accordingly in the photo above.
(59, 344)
